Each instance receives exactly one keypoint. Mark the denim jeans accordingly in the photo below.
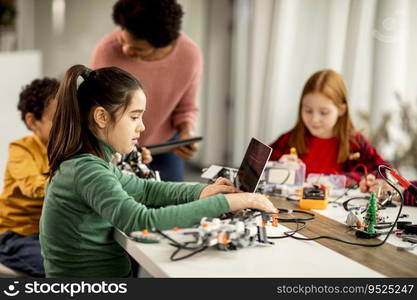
(22, 253)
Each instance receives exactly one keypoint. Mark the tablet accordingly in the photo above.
(168, 146)
(252, 166)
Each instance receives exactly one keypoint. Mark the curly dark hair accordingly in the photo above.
(35, 96)
(156, 21)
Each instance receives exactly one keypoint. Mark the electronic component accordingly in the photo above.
(288, 173)
(335, 183)
(365, 235)
(315, 197)
(213, 172)
(224, 234)
(410, 238)
(354, 219)
(274, 189)
(403, 182)
(410, 229)
(132, 163)
(231, 234)
(402, 224)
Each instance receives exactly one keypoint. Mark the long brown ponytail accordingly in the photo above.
(72, 131)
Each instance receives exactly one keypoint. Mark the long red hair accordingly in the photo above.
(330, 84)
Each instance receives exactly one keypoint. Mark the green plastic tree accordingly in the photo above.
(370, 218)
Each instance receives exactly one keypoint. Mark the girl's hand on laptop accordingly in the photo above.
(241, 201)
(220, 186)
(223, 181)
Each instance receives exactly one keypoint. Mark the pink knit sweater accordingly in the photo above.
(171, 84)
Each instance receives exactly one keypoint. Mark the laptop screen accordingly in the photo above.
(253, 165)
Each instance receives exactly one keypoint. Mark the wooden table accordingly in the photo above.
(287, 257)
(385, 259)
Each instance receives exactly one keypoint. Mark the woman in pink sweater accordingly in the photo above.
(149, 45)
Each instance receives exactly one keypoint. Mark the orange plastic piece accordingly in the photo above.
(145, 231)
(224, 238)
(314, 203)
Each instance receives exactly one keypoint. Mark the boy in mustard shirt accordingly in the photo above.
(25, 179)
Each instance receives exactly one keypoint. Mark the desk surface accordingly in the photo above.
(385, 259)
(286, 258)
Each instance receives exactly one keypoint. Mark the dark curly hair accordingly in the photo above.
(156, 21)
(35, 96)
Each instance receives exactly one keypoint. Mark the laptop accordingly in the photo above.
(252, 166)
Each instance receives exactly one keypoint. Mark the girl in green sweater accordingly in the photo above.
(87, 196)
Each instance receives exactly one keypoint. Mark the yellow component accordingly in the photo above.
(314, 198)
(175, 229)
(293, 151)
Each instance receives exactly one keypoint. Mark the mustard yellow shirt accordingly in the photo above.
(24, 186)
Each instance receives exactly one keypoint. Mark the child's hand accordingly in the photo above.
(146, 155)
(185, 152)
(366, 183)
(224, 181)
(371, 184)
(241, 201)
(220, 186)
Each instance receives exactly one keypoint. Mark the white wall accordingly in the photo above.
(48, 53)
(86, 22)
(17, 69)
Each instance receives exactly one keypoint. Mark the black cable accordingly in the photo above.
(345, 203)
(302, 221)
(293, 220)
(180, 247)
(290, 233)
(345, 193)
(250, 214)
(176, 243)
(173, 258)
(254, 213)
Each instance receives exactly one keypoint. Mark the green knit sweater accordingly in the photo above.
(88, 196)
